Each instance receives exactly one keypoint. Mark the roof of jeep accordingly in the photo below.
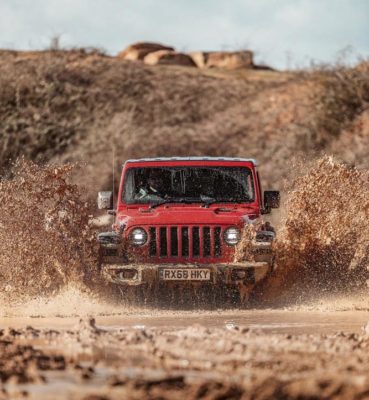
(193, 159)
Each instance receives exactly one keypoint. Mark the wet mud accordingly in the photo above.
(233, 361)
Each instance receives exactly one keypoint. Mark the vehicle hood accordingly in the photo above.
(184, 214)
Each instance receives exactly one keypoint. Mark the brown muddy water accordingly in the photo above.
(266, 321)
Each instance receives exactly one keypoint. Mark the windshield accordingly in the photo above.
(188, 184)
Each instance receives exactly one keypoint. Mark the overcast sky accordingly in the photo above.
(283, 33)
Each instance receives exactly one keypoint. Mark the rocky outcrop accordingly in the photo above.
(138, 51)
(156, 53)
(223, 59)
(169, 58)
(200, 58)
(230, 59)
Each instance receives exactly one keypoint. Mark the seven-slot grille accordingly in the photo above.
(185, 241)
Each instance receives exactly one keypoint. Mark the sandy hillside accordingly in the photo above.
(76, 105)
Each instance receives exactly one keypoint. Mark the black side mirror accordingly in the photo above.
(272, 199)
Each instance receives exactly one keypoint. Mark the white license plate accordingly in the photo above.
(185, 274)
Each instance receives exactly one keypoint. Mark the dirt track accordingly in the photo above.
(260, 354)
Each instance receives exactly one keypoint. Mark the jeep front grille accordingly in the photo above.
(186, 242)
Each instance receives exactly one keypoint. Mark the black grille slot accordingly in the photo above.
(207, 241)
(217, 242)
(174, 241)
(163, 242)
(196, 241)
(152, 243)
(185, 242)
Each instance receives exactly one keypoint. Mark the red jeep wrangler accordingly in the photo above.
(180, 219)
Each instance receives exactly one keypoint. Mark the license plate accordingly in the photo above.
(185, 274)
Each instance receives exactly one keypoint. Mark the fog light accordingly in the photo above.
(128, 274)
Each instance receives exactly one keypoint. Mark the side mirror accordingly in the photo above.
(271, 199)
(105, 200)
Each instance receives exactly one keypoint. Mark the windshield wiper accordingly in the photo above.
(204, 202)
(170, 200)
(207, 203)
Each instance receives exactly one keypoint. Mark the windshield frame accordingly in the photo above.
(189, 199)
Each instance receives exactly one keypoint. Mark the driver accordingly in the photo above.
(207, 190)
(152, 189)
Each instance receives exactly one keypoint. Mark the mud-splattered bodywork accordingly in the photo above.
(197, 242)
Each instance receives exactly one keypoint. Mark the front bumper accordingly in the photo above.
(220, 274)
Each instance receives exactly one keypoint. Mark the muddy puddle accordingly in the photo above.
(269, 320)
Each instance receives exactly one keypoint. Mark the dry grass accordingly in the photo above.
(344, 96)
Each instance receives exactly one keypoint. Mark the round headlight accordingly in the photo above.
(138, 236)
(232, 236)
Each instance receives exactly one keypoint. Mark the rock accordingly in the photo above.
(223, 59)
(200, 58)
(138, 51)
(229, 60)
(169, 57)
(156, 53)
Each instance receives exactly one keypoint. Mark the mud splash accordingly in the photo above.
(47, 245)
(323, 244)
(45, 238)
(72, 300)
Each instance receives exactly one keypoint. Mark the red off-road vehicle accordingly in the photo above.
(179, 220)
